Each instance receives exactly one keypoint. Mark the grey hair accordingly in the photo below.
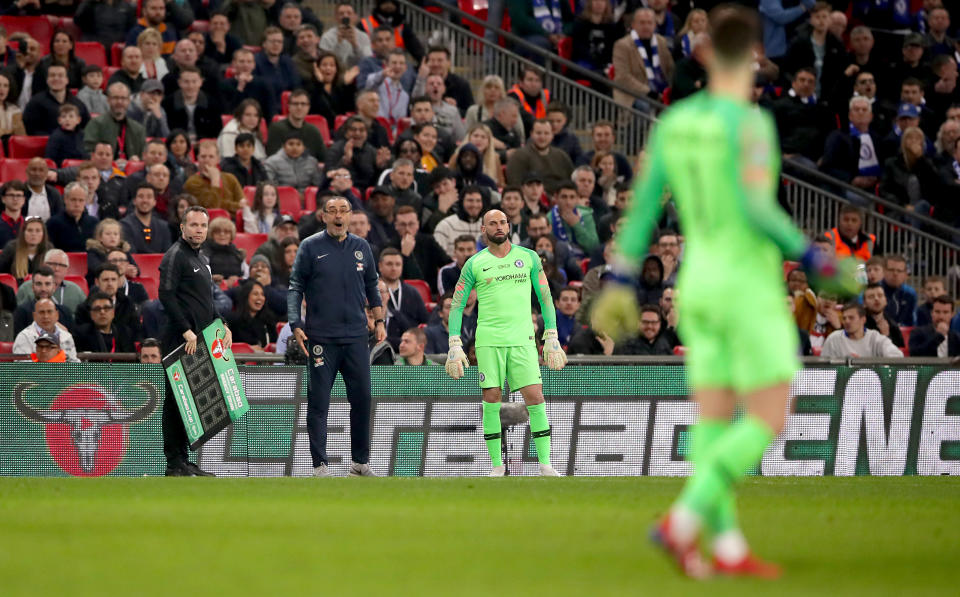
(861, 30)
(860, 98)
(503, 104)
(56, 253)
(403, 162)
(76, 185)
(583, 168)
(164, 166)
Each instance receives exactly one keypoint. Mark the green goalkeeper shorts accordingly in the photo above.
(747, 345)
(519, 365)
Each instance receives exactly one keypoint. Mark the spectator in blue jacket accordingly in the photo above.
(901, 297)
(776, 19)
(275, 67)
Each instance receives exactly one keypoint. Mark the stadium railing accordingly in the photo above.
(929, 245)
(476, 57)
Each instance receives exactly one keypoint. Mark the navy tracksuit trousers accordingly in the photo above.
(352, 360)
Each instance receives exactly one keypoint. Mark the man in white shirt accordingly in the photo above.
(855, 341)
(43, 200)
(346, 41)
(46, 320)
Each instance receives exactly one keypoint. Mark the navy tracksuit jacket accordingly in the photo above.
(338, 280)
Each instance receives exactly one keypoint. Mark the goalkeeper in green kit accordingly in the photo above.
(719, 156)
(502, 275)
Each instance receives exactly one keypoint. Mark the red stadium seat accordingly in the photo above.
(151, 285)
(789, 266)
(80, 281)
(228, 74)
(242, 348)
(6, 347)
(116, 51)
(249, 242)
(310, 198)
(679, 350)
(70, 162)
(289, 200)
(422, 287)
(216, 212)
(254, 49)
(250, 192)
(225, 119)
(39, 29)
(564, 48)
(91, 52)
(386, 125)
(107, 73)
(478, 10)
(285, 103)
(78, 264)
(403, 124)
(238, 220)
(9, 280)
(11, 169)
(201, 26)
(149, 264)
(339, 120)
(321, 123)
(26, 146)
(905, 331)
(134, 166)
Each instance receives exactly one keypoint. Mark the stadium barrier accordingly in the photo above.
(93, 420)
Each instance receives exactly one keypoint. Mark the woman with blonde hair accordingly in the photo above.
(493, 90)
(227, 261)
(696, 23)
(150, 43)
(910, 179)
(107, 236)
(479, 136)
(24, 254)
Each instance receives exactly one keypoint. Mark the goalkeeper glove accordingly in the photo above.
(553, 354)
(456, 358)
(614, 313)
(827, 274)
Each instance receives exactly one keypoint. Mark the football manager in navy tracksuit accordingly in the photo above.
(335, 271)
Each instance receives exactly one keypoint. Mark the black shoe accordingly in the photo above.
(196, 471)
(177, 469)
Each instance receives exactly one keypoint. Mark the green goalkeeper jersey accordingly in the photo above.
(503, 297)
(720, 160)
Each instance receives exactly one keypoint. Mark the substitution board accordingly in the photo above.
(206, 385)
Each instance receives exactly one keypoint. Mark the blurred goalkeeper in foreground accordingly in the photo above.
(506, 348)
(719, 156)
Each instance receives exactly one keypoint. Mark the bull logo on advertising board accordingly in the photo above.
(217, 348)
(86, 429)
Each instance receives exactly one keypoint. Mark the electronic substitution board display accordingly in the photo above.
(206, 385)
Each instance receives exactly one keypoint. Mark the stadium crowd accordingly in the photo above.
(258, 112)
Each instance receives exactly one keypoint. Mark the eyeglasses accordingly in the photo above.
(14, 195)
(649, 322)
(59, 265)
(342, 211)
(101, 308)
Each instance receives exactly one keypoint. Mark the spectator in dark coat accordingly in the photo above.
(559, 116)
(422, 255)
(66, 143)
(650, 341)
(70, 229)
(803, 53)
(851, 155)
(332, 91)
(356, 155)
(40, 114)
(802, 122)
(690, 76)
(205, 122)
(248, 169)
(404, 305)
(226, 260)
(276, 68)
(105, 21)
(102, 333)
(936, 339)
(910, 178)
(254, 322)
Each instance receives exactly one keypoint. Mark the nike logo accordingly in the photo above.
(196, 269)
(319, 257)
(486, 268)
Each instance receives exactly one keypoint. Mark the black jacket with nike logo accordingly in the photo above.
(186, 292)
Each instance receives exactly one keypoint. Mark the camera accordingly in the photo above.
(345, 23)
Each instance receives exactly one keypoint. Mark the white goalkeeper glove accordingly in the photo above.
(456, 358)
(553, 354)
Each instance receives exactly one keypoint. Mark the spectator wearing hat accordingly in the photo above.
(147, 109)
(381, 210)
(357, 155)
(283, 227)
(126, 136)
(911, 65)
(293, 167)
(908, 116)
(47, 350)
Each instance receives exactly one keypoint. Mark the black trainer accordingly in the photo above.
(177, 469)
(196, 471)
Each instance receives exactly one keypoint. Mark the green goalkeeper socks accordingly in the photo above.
(540, 430)
(740, 446)
(491, 432)
(703, 437)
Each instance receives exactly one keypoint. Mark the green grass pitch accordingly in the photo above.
(572, 536)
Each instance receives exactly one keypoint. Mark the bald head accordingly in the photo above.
(495, 228)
